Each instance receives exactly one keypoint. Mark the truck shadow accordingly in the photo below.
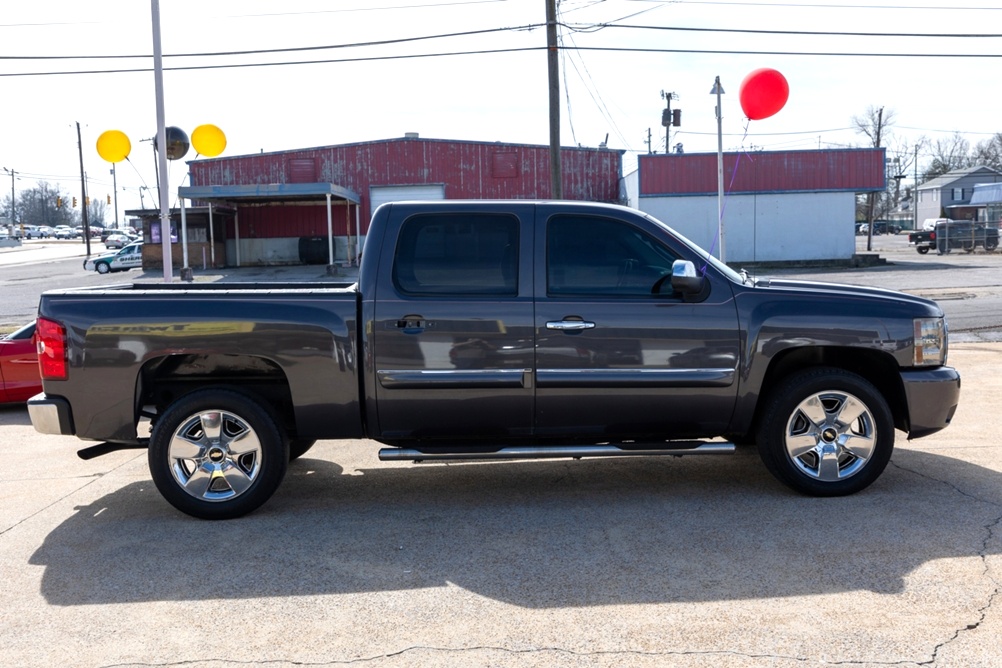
(533, 534)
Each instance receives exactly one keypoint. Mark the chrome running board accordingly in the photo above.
(555, 451)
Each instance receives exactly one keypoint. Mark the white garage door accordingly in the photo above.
(383, 194)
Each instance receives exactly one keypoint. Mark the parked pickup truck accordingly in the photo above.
(956, 234)
(495, 330)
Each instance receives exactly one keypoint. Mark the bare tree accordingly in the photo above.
(949, 154)
(989, 152)
(875, 123)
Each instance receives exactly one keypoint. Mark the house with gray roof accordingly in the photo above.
(949, 195)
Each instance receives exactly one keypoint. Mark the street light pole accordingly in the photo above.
(719, 90)
(158, 76)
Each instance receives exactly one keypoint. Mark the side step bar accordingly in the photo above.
(678, 448)
(104, 448)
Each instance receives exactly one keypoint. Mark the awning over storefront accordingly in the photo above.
(986, 193)
(272, 193)
(269, 192)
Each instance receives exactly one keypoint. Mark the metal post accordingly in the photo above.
(720, 170)
(236, 230)
(358, 235)
(158, 77)
(186, 274)
(330, 233)
(212, 239)
(114, 187)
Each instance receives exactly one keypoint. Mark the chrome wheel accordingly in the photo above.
(826, 432)
(830, 436)
(215, 455)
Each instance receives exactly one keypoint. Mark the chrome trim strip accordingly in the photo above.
(552, 452)
(451, 379)
(622, 378)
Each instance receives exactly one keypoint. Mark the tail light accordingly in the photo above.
(51, 349)
(932, 236)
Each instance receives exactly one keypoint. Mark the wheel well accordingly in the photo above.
(163, 380)
(877, 367)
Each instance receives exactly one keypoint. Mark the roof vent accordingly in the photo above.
(410, 135)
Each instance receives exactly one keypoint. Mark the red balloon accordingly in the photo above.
(763, 93)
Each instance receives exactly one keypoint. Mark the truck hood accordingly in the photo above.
(854, 291)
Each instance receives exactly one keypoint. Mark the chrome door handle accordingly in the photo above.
(570, 325)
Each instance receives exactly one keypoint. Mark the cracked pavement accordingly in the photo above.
(690, 562)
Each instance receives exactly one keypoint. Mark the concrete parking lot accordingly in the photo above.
(633, 562)
(636, 562)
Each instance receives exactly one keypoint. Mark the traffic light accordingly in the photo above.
(59, 202)
(74, 202)
(676, 117)
(87, 200)
(109, 198)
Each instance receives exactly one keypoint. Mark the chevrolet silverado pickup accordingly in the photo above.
(493, 330)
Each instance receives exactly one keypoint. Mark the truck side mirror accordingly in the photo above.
(684, 278)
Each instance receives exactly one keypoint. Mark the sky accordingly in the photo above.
(277, 76)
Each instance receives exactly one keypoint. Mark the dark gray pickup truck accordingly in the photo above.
(495, 330)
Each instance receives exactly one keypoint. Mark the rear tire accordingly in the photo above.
(826, 432)
(217, 454)
(922, 251)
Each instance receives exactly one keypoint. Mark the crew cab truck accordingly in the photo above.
(495, 330)
(955, 234)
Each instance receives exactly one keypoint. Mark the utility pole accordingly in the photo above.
(556, 180)
(11, 194)
(83, 191)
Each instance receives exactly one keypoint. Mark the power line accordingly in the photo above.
(523, 28)
(444, 54)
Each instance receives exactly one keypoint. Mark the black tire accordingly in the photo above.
(205, 476)
(922, 250)
(299, 447)
(991, 245)
(803, 442)
(102, 267)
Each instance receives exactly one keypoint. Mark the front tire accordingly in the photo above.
(826, 432)
(103, 267)
(217, 454)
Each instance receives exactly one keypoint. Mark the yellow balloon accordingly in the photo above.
(113, 145)
(208, 140)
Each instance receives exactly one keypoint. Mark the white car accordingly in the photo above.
(63, 232)
(128, 258)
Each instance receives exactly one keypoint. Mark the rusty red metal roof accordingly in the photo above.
(845, 170)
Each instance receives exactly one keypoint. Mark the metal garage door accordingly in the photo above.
(383, 194)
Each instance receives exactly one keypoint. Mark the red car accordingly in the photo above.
(19, 377)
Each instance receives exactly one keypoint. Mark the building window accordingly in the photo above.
(957, 195)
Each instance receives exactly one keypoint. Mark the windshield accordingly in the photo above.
(706, 257)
